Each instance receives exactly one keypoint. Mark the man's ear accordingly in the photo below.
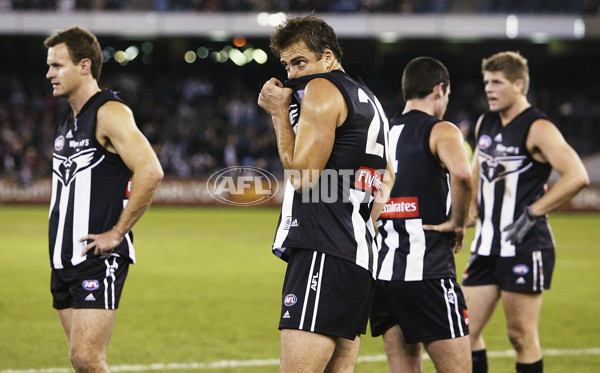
(86, 66)
(520, 85)
(438, 90)
(328, 58)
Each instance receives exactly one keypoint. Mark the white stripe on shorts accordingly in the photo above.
(450, 323)
(312, 266)
(318, 296)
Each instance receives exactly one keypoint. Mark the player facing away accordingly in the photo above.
(512, 254)
(332, 141)
(105, 175)
(418, 302)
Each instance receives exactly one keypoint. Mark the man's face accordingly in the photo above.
(64, 75)
(501, 93)
(298, 60)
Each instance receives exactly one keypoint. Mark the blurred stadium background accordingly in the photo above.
(191, 71)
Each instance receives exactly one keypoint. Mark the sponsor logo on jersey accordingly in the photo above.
(242, 186)
(401, 207)
(90, 285)
(485, 142)
(368, 179)
(520, 269)
(59, 143)
(79, 144)
(290, 300)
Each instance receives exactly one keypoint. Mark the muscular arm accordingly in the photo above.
(118, 133)
(446, 142)
(546, 144)
(305, 153)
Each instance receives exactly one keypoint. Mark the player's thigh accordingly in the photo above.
(481, 303)
(344, 356)
(451, 355)
(303, 351)
(91, 329)
(522, 310)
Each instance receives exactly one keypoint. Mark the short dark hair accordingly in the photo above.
(81, 44)
(421, 75)
(317, 34)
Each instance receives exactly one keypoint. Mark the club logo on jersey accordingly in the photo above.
(493, 169)
(90, 285)
(59, 143)
(290, 300)
(485, 142)
(401, 207)
(242, 186)
(67, 168)
(520, 269)
(368, 179)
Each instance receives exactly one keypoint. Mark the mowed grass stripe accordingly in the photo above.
(274, 362)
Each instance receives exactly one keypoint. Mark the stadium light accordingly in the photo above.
(512, 26)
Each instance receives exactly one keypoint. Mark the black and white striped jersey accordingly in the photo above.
(509, 180)
(89, 186)
(421, 195)
(334, 216)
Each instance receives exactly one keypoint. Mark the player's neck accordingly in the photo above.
(85, 91)
(520, 105)
(423, 105)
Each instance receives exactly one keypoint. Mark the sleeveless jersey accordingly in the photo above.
(420, 196)
(334, 216)
(89, 186)
(509, 180)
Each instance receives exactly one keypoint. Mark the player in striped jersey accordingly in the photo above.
(105, 174)
(332, 141)
(418, 301)
(513, 250)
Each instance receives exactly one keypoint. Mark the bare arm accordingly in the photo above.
(322, 109)
(546, 144)
(446, 142)
(118, 133)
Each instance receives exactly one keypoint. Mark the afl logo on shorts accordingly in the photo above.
(484, 142)
(290, 300)
(520, 269)
(59, 143)
(90, 285)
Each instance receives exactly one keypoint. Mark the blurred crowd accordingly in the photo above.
(199, 123)
(397, 6)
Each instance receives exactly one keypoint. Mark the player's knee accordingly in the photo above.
(517, 338)
(85, 361)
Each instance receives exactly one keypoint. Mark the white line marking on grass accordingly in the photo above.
(274, 362)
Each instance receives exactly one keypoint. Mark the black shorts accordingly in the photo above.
(95, 283)
(326, 295)
(525, 273)
(428, 310)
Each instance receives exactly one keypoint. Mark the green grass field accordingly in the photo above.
(206, 289)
